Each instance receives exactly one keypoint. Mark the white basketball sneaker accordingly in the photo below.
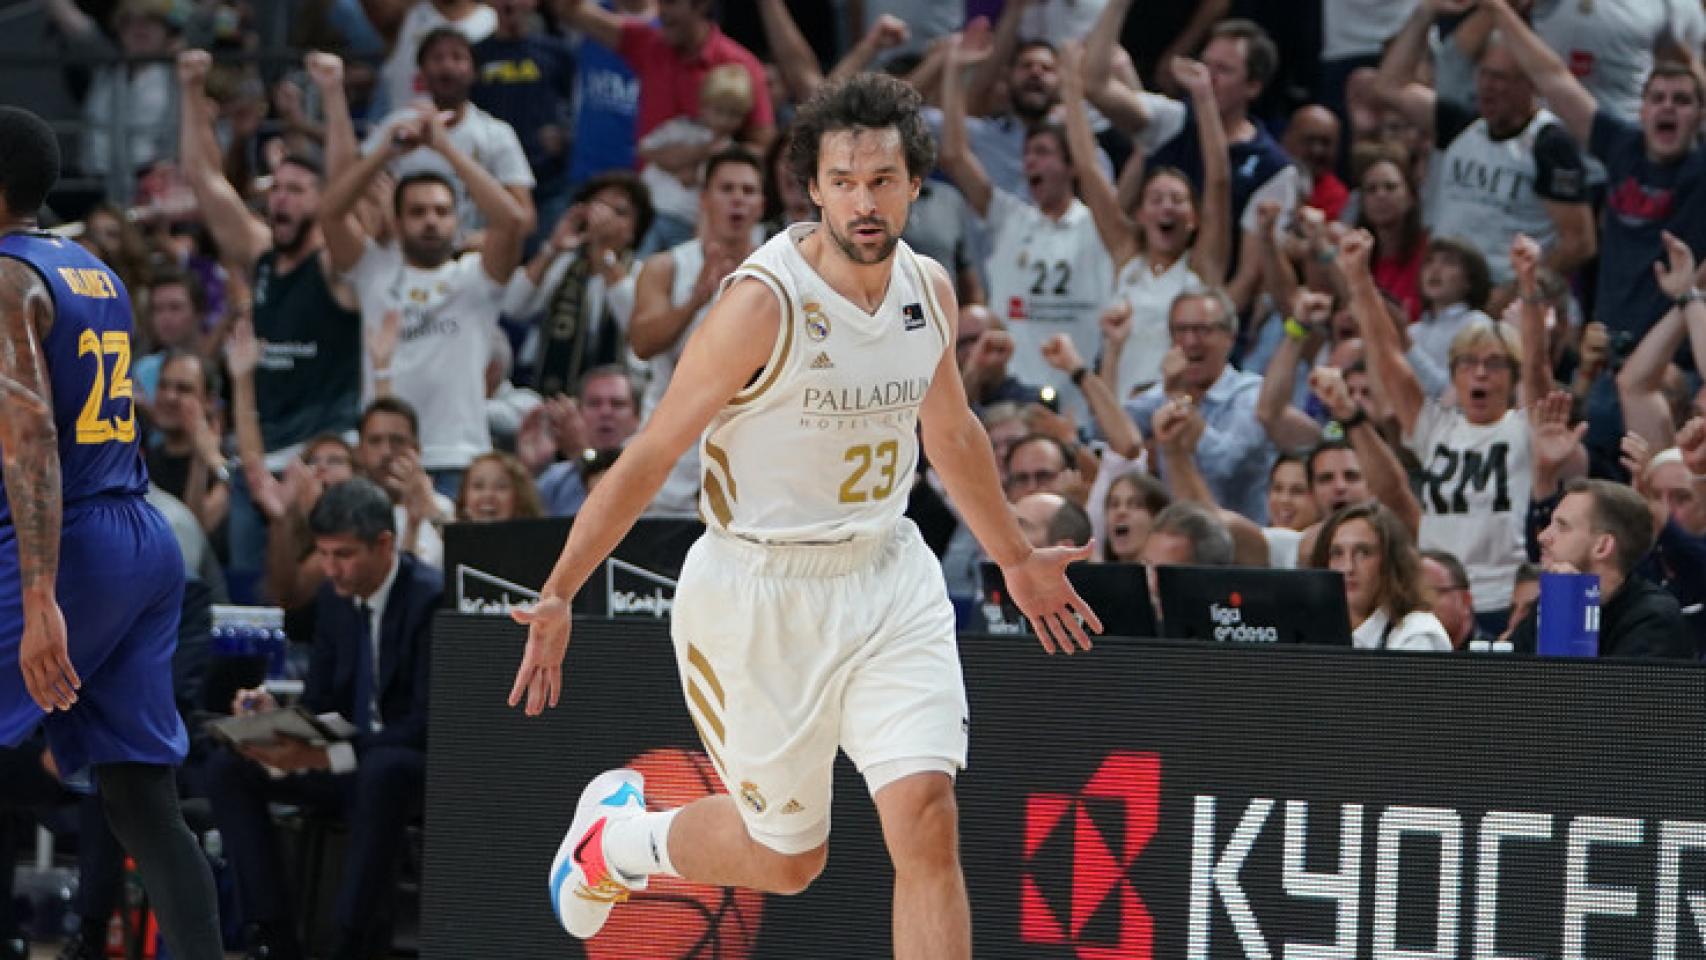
(583, 887)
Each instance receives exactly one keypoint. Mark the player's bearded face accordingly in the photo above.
(866, 240)
(864, 189)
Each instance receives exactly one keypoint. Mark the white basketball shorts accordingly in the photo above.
(789, 652)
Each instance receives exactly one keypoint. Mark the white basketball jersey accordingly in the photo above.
(823, 445)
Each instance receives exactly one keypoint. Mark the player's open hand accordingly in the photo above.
(45, 657)
(541, 674)
(1057, 613)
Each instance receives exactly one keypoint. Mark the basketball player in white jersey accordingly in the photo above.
(810, 617)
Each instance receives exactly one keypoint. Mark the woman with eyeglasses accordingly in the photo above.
(1389, 602)
(1480, 453)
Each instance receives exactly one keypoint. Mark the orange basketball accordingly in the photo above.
(673, 919)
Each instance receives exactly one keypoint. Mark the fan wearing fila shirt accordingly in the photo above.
(1048, 270)
(810, 618)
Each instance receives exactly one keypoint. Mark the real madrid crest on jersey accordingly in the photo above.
(817, 325)
(751, 797)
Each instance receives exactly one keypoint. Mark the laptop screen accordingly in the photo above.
(1254, 605)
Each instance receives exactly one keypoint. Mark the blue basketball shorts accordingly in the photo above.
(120, 585)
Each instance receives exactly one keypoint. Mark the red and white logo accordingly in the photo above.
(1057, 907)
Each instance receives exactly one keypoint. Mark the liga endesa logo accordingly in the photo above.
(1229, 623)
(1079, 848)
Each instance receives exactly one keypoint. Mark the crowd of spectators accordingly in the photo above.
(1415, 300)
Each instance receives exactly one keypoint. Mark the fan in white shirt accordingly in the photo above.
(1384, 589)
(1048, 270)
(1479, 457)
(447, 305)
(447, 66)
(400, 76)
(1170, 243)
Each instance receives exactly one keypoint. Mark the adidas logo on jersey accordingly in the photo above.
(793, 806)
(822, 362)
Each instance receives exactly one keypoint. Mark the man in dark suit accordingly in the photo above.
(377, 780)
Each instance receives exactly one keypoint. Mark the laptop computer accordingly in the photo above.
(1254, 605)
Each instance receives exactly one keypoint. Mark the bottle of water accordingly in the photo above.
(276, 645)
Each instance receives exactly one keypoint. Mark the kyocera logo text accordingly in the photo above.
(1461, 901)
(1079, 847)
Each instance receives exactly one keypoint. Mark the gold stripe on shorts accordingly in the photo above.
(704, 666)
(698, 698)
(710, 750)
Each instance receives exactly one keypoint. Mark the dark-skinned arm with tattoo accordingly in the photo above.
(29, 459)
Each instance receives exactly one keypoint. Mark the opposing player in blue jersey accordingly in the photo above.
(90, 576)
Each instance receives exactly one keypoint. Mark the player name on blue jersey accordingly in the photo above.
(93, 283)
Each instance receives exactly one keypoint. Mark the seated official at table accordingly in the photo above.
(1605, 529)
(1384, 591)
(371, 649)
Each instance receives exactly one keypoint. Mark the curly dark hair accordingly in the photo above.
(867, 101)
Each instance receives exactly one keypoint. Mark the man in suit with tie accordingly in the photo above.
(371, 648)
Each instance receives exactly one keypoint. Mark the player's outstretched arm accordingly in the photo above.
(722, 356)
(29, 461)
(959, 449)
